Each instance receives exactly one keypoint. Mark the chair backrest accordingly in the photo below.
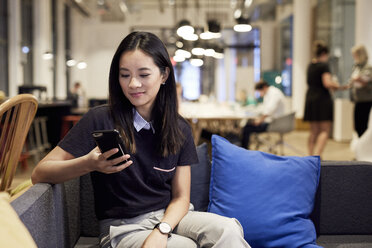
(282, 124)
(16, 116)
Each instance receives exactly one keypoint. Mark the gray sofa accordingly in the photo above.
(63, 215)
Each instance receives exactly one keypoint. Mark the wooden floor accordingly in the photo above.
(333, 151)
(298, 139)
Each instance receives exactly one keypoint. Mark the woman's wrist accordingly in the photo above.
(87, 164)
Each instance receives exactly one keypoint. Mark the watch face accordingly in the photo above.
(165, 228)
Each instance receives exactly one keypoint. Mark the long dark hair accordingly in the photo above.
(320, 48)
(164, 114)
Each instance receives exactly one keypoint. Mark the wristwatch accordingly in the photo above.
(164, 228)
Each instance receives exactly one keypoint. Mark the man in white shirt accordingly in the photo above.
(273, 107)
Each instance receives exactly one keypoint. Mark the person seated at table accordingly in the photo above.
(273, 106)
(78, 96)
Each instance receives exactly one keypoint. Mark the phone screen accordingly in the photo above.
(109, 139)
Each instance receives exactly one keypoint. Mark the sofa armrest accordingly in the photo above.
(51, 213)
(344, 198)
(36, 210)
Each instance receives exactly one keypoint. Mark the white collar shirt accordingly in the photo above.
(140, 123)
(273, 103)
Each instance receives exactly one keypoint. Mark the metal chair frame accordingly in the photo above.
(281, 125)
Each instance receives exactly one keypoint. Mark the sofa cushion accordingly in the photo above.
(271, 196)
(200, 178)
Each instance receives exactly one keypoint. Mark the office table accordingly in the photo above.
(221, 118)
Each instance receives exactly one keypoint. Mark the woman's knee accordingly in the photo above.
(222, 226)
(180, 241)
(232, 227)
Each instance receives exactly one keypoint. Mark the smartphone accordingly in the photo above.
(109, 139)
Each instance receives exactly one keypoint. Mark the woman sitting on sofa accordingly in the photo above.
(143, 202)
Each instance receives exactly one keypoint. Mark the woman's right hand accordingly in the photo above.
(100, 163)
(59, 166)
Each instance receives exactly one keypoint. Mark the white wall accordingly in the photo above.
(14, 55)
(268, 41)
(95, 43)
(363, 28)
(42, 43)
(301, 53)
(61, 55)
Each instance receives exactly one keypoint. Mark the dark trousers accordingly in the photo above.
(361, 114)
(249, 129)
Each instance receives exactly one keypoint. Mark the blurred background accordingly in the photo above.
(47, 46)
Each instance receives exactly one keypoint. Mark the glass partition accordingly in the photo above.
(335, 24)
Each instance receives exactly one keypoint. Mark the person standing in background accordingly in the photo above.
(78, 95)
(319, 103)
(360, 85)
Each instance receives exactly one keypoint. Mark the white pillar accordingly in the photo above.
(267, 41)
(363, 28)
(301, 53)
(231, 77)
(61, 54)
(42, 43)
(14, 55)
(220, 82)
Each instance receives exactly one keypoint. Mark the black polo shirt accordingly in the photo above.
(142, 187)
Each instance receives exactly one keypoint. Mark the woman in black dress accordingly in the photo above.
(319, 103)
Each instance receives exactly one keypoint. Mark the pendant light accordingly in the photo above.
(242, 25)
(184, 28)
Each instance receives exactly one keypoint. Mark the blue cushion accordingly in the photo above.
(200, 177)
(271, 196)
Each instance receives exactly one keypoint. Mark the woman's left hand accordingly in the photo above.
(156, 240)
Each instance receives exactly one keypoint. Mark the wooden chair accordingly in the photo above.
(16, 116)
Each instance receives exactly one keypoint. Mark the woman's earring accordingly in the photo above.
(163, 83)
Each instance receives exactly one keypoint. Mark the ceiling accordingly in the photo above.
(220, 10)
(117, 10)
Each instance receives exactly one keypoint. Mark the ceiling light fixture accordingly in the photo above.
(209, 52)
(196, 62)
(183, 53)
(237, 13)
(25, 49)
(198, 51)
(214, 26)
(48, 55)
(71, 62)
(219, 53)
(81, 65)
(206, 35)
(179, 44)
(213, 32)
(184, 28)
(178, 58)
(242, 25)
(198, 48)
(191, 37)
(247, 3)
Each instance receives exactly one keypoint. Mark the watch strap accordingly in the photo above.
(169, 233)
